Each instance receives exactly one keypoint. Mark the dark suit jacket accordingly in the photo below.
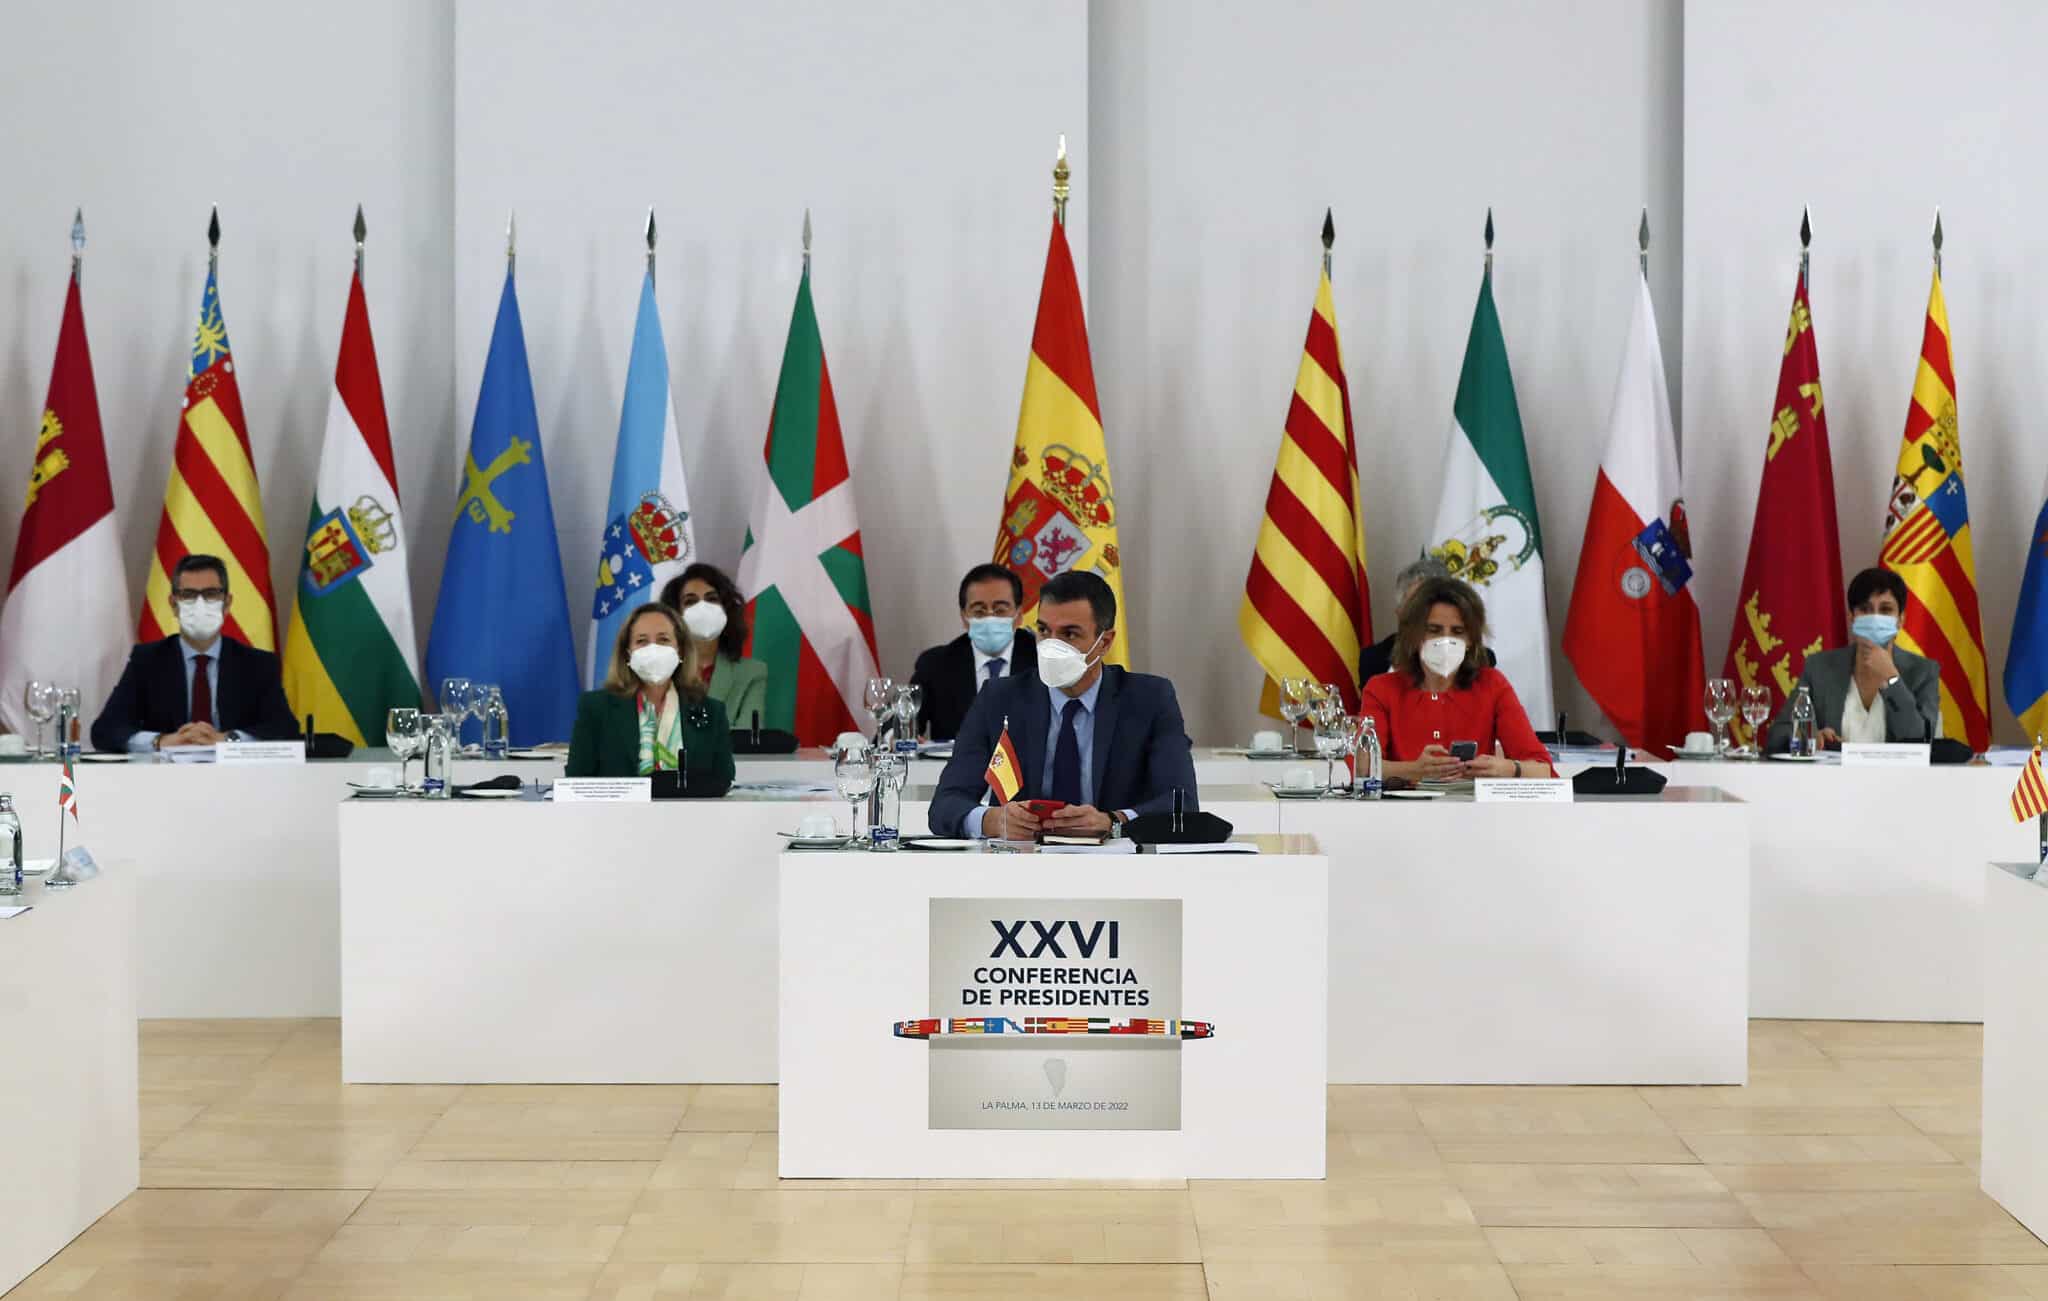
(1378, 658)
(150, 697)
(1912, 705)
(947, 675)
(1141, 753)
(606, 742)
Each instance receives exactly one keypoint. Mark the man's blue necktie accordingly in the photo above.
(995, 670)
(1066, 757)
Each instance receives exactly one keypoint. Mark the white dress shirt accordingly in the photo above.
(1861, 724)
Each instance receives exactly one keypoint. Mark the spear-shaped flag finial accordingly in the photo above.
(652, 235)
(1805, 239)
(807, 239)
(1937, 239)
(1643, 242)
(213, 236)
(359, 230)
(1329, 238)
(77, 240)
(511, 238)
(1061, 175)
(1489, 239)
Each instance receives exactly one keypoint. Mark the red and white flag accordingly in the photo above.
(67, 615)
(1633, 632)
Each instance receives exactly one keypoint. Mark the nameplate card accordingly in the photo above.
(1531, 790)
(604, 790)
(1905, 754)
(260, 752)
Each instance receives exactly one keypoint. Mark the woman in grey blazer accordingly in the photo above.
(1897, 694)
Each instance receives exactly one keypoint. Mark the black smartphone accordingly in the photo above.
(1465, 751)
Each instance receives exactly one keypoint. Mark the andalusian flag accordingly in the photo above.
(1927, 537)
(1486, 528)
(212, 505)
(1058, 510)
(801, 567)
(1306, 610)
(351, 653)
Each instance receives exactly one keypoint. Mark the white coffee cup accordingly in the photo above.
(1265, 742)
(815, 826)
(10, 744)
(1696, 741)
(381, 775)
(1299, 779)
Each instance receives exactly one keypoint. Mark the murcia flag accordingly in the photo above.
(66, 617)
(1633, 630)
(1003, 776)
(351, 654)
(801, 567)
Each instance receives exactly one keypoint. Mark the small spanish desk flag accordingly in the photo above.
(2030, 797)
(1004, 777)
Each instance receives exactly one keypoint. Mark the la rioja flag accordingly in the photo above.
(1633, 632)
(66, 617)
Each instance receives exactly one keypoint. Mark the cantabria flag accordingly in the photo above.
(350, 654)
(801, 568)
(1486, 528)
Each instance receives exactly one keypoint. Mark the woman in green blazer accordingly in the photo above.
(716, 615)
(652, 714)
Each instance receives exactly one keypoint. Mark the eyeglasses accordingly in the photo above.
(184, 594)
(1000, 610)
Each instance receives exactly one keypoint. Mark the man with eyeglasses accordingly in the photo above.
(199, 687)
(992, 648)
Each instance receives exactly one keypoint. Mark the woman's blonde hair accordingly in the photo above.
(620, 679)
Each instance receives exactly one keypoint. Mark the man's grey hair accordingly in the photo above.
(1418, 569)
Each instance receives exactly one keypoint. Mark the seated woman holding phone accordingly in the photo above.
(652, 717)
(1442, 712)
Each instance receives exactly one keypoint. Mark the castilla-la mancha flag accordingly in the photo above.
(1790, 602)
(1058, 510)
(1633, 631)
(66, 618)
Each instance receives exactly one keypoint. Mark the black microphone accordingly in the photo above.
(309, 736)
(757, 729)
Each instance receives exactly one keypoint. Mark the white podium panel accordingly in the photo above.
(2015, 1164)
(69, 1150)
(859, 953)
(1601, 942)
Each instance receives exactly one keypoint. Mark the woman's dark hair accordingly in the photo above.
(1866, 585)
(1414, 619)
(732, 643)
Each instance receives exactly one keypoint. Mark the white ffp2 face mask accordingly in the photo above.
(1443, 655)
(654, 662)
(705, 620)
(1060, 665)
(201, 620)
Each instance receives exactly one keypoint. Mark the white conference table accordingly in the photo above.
(2015, 1161)
(68, 1083)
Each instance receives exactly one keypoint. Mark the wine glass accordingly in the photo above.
(1294, 703)
(1756, 711)
(478, 702)
(454, 704)
(1720, 709)
(854, 775)
(1331, 734)
(403, 733)
(41, 700)
(909, 700)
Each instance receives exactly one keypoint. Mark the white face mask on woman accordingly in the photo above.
(654, 662)
(705, 620)
(1060, 665)
(1443, 655)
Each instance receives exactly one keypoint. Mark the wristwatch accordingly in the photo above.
(1893, 682)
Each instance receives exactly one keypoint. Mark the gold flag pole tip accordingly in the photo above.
(1062, 176)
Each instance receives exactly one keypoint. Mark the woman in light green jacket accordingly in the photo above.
(716, 615)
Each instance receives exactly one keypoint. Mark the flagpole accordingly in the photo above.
(1643, 243)
(650, 242)
(511, 242)
(213, 242)
(1329, 238)
(77, 246)
(1805, 240)
(360, 231)
(1061, 174)
(1937, 239)
(1489, 241)
(807, 241)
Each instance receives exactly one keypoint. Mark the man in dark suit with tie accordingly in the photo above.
(199, 687)
(993, 647)
(1108, 742)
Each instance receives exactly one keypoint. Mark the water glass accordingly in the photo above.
(854, 775)
(1720, 706)
(40, 698)
(1756, 711)
(1333, 738)
(880, 698)
(1294, 703)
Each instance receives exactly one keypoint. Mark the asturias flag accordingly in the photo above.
(801, 567)
(503, 615)
(1927, 538)
(1791, 594)
(212, 505)
(1058, 510)
(351, 654)
(1633, 630)
(647, 535)
(66, 617)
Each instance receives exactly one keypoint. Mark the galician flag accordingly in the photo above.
(801, 567)
(350, 654)
(66, 617)
(647, 537)
(1633, 630)
(1486, 527)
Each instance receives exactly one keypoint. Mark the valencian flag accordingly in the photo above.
(1058, 510)
(66, 617)
(1927, 536)
(212, 505)
(503, 613)
(1633, 630)
(801, 567)
(1486, 529)
(1306, 611)
(350, 654)
(1790, 602)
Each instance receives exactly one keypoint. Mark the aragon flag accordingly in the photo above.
(66, 617)
(1059, 512)
(1790, 603)
(801, 568)
(212, 505)
(351, 653)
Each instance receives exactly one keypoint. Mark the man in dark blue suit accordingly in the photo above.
(1108, 742)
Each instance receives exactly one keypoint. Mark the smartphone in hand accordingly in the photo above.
(1465, 751)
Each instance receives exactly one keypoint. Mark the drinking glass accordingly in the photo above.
(478, 701)
(68, 701)
(855, 778)
(1294, 702)
(41, 700)
(1331, 734)
(1720, 709)
(1756, 711)
(403, 733)
(454, 704)
(880, 698)
(909, 700)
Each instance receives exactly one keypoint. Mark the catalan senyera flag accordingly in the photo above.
(1003, 775)
(1927, 538)
(212, 505)
(1059, 512)
(2030, 796)
(1306, 611)
(1790, 603)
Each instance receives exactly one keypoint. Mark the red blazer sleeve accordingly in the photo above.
(1511, 727)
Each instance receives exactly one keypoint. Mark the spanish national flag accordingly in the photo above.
(1004, 777)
